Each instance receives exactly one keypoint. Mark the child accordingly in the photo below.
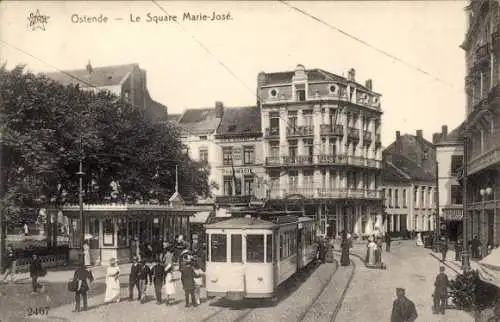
(169, 282)
(187, 277)
(198, 282)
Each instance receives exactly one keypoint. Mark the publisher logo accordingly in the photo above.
(37, 20)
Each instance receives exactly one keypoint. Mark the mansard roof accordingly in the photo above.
(240, 121)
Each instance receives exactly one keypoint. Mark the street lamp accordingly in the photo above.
(344, 261)
(465, 252)
(485, 192)
(80, 173)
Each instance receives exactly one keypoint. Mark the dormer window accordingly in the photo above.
(203, 138)
(300, 94)
(273, 92)
(333, 89)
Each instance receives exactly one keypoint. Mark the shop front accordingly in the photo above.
(113, 230)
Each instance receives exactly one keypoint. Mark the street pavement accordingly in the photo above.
(372, 291)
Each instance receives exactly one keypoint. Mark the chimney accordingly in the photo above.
(369, 84)
(435, 138)
(444, 130)
(397, 143)
(351, 75)
(398, 135)
(219, 109)
(419, 133)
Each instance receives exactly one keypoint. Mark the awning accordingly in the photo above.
(453, 213)
(200, 217)
(489, 268)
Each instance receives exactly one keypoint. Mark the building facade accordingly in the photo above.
(126, 81)
(482, 48)
(241, 173)
(322, 148)
(409, 183)
(198, 127)
(449, 155)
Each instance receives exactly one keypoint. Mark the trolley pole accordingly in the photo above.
(465, 216)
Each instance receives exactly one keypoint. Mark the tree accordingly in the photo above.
(44, 128)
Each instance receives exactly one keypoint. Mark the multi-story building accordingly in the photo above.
(239, 138)
(322, 148)
(482, 47)
(198, 127)
(409, 183)
(125, 81)
(449, 155)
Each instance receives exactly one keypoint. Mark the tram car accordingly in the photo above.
(249, 257)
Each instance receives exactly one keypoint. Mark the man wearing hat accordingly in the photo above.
(188, 284)
(440, 291)
(144, 275)
(133, 280)
(158, 274)
(403, 309)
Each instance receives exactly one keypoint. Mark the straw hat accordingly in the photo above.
(112, 261)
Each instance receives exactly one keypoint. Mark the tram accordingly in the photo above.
(249, 257)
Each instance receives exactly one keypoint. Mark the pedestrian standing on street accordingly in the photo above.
(26, 229)
(441, 291)
(133, 279)
(475, 246)
(444, 249)
(158, 273)
(36, 270)
(169, 283)
(83, 277)
(112, 282)
(345, 245)
(86, 252)
(403, 309)
(188, 284)
(458, 249)
(143, 276)
(10, 265)
(387, 242)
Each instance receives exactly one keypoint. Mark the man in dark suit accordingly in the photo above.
(36, 270)
(403, 309)
(440, 291)
(84, 277)
(387, 242)
(133, 280)
(144, 275)
(158, 274)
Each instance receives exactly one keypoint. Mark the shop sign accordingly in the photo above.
(229, 171)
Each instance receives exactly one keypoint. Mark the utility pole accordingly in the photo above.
(80, 198)
(465, 216)
(437, 228)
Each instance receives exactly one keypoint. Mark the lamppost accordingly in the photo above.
(465, 252)
(80, 173)
(437, 227)
(485, 193)
(345, 245)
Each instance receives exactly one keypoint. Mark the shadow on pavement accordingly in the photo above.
(283, 292)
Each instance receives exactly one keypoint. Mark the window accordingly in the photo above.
(203, 138)
(218, 248)
(422, 193)
(274, 123)
(274, 150)
(269, 248)
(396, 198)
(404, 198)
(308, 179)
(248, 185)
(203, 155)
(333, 147)
(389, 198)
(236, 256)
(228, 185)
(122, 232)
(255, 248)
(293, 179)
(456, 195)
(309, 147)
(108, 232)
(292, 148)
(308, 117)
(402, 223)
(292, 119)
(456, 164)
(248, 155)
(415, 193)
(227, 155)
(300, 94)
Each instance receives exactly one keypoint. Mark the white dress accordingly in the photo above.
(419, 240)
(169, 285)
(112, 284)
(86, 254)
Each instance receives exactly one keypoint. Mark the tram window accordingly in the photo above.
(255, 248)
(269, 248)
(207, 253)
(236, 249)
(218, 248)
(281, 246)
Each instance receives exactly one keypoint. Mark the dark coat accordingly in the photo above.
(36, 267)
(85, 276)
(158, 273)
(441, 285)
(187, 277)
(144, 273)
(134, 272)
(403, 310)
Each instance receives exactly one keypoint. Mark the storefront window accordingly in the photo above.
(236, 256)
(94, 231)
(218, 248)
(122, 232)
(269, 248)
(108, 232)
(255, 248)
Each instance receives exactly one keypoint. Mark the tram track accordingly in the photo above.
(346, 288)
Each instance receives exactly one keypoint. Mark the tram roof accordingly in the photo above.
(242, 223)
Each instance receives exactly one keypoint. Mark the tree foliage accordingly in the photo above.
(45, 126)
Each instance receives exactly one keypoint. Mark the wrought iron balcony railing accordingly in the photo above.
(272, 132)
(322, 160)
(353, 134)
(303, 130)
(325, 192)
(332, 129)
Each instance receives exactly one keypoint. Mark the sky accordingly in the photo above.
(192, 64)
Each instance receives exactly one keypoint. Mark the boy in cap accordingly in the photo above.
(440, 291)
(158, 274)
(133, 280)
(187, 277)
(403, 309)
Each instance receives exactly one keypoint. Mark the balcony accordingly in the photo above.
(233, 200)
(272, 132)
(303, 130)
(367, 137)
(353, 134)
(327, 193)
(322, 160)
(332, 129)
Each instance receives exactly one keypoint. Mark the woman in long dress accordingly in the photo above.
(419, 240)
(86, 253)
(112, 282)
(371, 248)
(169, 283)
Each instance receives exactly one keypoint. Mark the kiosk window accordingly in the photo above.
(236, 249)
(218, 248)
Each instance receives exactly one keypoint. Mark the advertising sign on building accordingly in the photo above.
(229, 171)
